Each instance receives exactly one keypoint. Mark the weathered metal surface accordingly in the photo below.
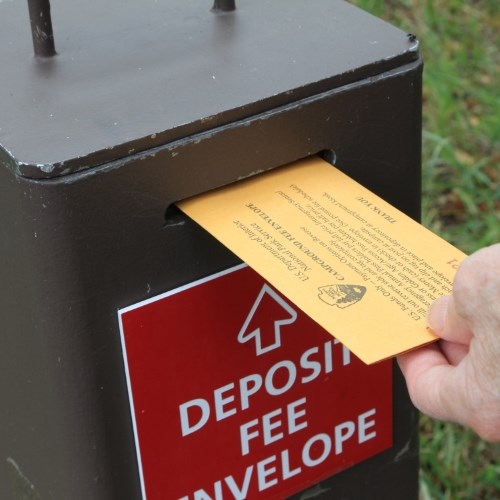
(130, 76)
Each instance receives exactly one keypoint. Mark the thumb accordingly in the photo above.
(446, 322)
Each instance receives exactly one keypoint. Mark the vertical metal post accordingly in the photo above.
(41, 28)
(224, 5)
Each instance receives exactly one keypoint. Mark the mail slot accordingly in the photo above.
(138, 105)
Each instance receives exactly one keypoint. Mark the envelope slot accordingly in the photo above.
(328, 155)
(175, 217)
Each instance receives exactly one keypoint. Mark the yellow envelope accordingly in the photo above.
(355, 264)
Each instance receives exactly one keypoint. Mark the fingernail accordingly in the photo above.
(436, 316)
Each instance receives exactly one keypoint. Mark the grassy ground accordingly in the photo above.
(461, 188)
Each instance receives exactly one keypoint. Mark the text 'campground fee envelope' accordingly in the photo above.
(359, 267)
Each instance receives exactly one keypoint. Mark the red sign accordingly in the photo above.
(237, 394)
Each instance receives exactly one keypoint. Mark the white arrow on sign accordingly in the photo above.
(247, 333)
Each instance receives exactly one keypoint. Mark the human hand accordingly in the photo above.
(458, 378)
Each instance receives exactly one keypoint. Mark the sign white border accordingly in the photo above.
(124, 350)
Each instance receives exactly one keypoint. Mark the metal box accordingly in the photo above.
(147, 103)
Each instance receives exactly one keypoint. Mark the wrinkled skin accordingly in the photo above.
(458, 378)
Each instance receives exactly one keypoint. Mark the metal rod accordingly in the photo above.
(41, 28)
(224, 5)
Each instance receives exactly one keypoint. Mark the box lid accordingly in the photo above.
(130, 76)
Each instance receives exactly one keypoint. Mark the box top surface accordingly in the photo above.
(130, 76)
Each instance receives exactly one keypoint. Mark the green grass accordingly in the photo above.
(456, 464)
(461, 122)
(461, 188)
